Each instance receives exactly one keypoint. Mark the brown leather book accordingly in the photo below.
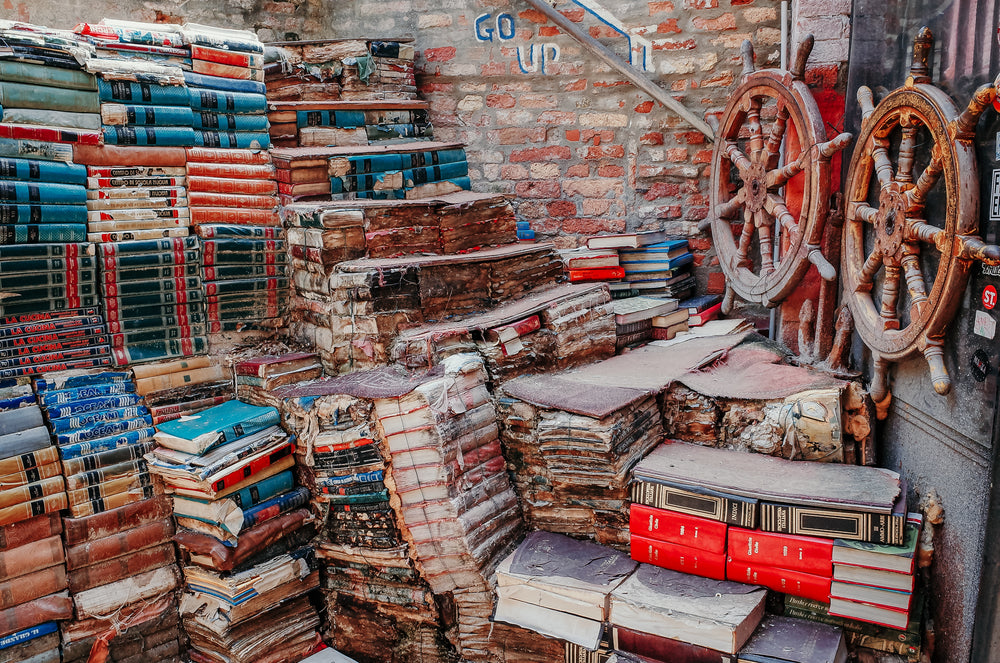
(32, 491)
(114, 521)
(35, 647)
(116, 155)
(112, 570)
(116, 545)
(107, 598)
(46, 609)
(30, 530)
(32, 586)
(31, 557)
(210, 552)
(31, 475)
(17, 464)
(26, 510)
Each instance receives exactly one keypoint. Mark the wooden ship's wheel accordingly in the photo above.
(770, 116)
(912, 220)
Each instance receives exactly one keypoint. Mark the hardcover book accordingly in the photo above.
(678, 557)
(789, 640)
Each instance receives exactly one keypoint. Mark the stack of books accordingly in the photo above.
(593, 265)
(408, 172)
(232, 188)
(451, 480)
(394, 70)
(102, 429)
(560, 587)
(226, 87)
(525, 232)
(369, 577)
(634, 318)
(328, 123)
(702, 309)
(796, 565)
(144, 42)
(305, 72)
(34, 585)
(183, 387)
(661, 269)
(257, 378)
(791, 640)
(46, 96)
(303, 174)
(152, 295)
(115, 554)
(241, 520)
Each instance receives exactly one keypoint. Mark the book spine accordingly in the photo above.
(886, 529)
(156, 116)
(221, 41)
(236, 59)
(114, 522)
(232, 186)
(28, 137)
(93, 399)
(203, 155)
(32, 586)
(32, 491)
(276, 506)
(89, 508)
(228, 102)
(77, 482)
(258, 465)
(29, 634)
(234, 215)
(180, 247)
(184, 347)
(30, 530)
(31, 557)
(107, 443)
(119, 568)
(176, 408)
(30, 170)
(52, 232)
(119, 544)
(141, 93)
(204, 199)
(230, 122)
(715, 507)
(786, 581)
(48, 608)
(142, 135)
(33, 149)
(237, 170)
(678, 558)
(122, 288)
(79, 470)
(32, 476)
(232, 139)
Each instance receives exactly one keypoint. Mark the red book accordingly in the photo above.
(262, 367)
(32, 586)
(680, 558)
(231, 200)
(50, 134)
(260, 187)
(220, 155)
(808, 554)
(28, 531)
(209, 54)
(596, 274)
(233, 170)
(235, 216)
(119, 568)
(680, 528)
(31, 557)
(796, 583)
(133, 155)
(46, 609)
(119, 543)
(252, 468)
(711, 313)
(666, 650)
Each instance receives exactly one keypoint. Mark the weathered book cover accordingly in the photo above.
(113, 522)
(32, 586)
(678, 557)
(124, 566)
(113, 501)
(790, 640)
(91, 463)
(141, 93)
(889, 529)
(24, 442)
(100, 601)
(106, 443)
(211, 155)
(135, 484)
(657, 648)
(48, 608)
(232, 186)
(234, 215)
(217, 425)
(200, 199)
(31, 477)
(232, 170)
(731, 509)
(29, 531)
(30, 557)
(27, 170)
(207, 551)
(77, 482)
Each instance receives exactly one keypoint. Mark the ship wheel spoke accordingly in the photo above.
(920, 230)
(914, 280)
(756, 142)
(864, 212)
(766, 247)
(779, 211)
(883, 166)
(907, 145)
(778, 177)
(917, 196)
(745, 237)
(890, 295)
(740, 160)
(729, 210)
(772, 149)
(868, 271)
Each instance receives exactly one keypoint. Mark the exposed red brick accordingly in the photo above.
(557, 117)
(686, 45)
(652, 138)
(677, 155)
(593, 187)
(716, 280)
(610, 83)
(573, 135)
(697, 259)
(696, 213)
(668, 27)
(550, 153)
(561, 208)
(725, 79)
(602, 32)
(697, 199)
(680, 85)
(601, 207)
(530, 209)
(431, 88)
(517, 135)
(605, 152)
(442, 54)
(690, 137)
(610, 170)
(575, 15)
(701, 4)
(578, 170)
(699, 243)
(537, 189)
(576, 86)
(538, 101)
(670, 212)
(548, 31)
(597, 135)
(500, 100)
(493, 69)
(662, 6)
(663, 190)
(702, 156)
(644, 107)
(533, 15)
(725, 22)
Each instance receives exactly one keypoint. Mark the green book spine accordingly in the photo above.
(173, 244)
(24, 267)
(130, 288)
(141, 260)
(243, 272)
(48, 305)
(41, 171)
(35, 74)
(27, 95)
(155, 335)
(154, 350)
(154, 299)
(34, 292)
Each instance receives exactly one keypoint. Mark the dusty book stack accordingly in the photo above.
(256, 379)
(456, 501)
(398, 172)
(242, 527)
(244, 259)
(183, 387)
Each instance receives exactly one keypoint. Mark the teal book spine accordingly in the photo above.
(127, 339)
(33, 214)
(63, 265)
(15, 282)
(142, 93)
(434, 158)
(231, 420)
(227, 102)
(221, 41)
(263, 490)
(127, 288)
(31, 292)
(243, 286)
(153, 116)
(426, 174)
(154, 299)
(139, 135)
(156, 322)
(154, 350)
(151, 245)
(244, 140)
(376, 163)
(230, 122)
(138, 260)
(42, 193)
(345, 119)
(52, 232)
(116, 316)
(25, 95)
(36, 74)
(394, 194)
(154, 273)
(32, 170)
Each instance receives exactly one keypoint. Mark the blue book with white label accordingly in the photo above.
(66, 424)
(24, 635)
(283, 503)
(194, 80)
(83, 392)
(106, 443)
(102, 429)
(74, 381)
(216, 425)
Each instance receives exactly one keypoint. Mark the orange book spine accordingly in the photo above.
(245, 201)
(227, 70)
(243, 171)
(32, 586)
(31, 557)
(219, 155)
(231, 186)
(25, 510)
(235, 216)
(30, 530)
(220, 56)
(48, 608)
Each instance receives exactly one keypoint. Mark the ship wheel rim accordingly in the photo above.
(770, 288)
(935, 111)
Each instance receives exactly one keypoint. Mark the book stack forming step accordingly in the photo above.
(244, 259)
(642, 263)
(637, 318)
(455, 497)
(243, 527)
(226, 88)
(399, 175)
(119, 556)
(45, 94)
(144, 100)
(370, 582)
(571, 469)
(257, 378)
(183, 387)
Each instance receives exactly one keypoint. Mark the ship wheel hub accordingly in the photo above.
(756, 184)
(890, 223)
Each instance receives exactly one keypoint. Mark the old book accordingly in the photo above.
(869, 613)
(180, 378)
(655, 648)
(879, 596)
(25, 510)
(627, 240)
(693, 500)
(124, 566)
(787, 551)
(796, 583)
(861, 575)
(789, 640)
(674, 527)
(31, 557)
(836, 523)
(264, 367)
(32, 479)
(216, 425)
(31, 586)
(635, 309)
(898, 558)
(21, 463)
(115, 521)
(865, 634)
(15, 647)
(710, 613)
(209, 552)
(102, 600)
(678, 557)
(29, 531)
(48, 608)
(553, 623)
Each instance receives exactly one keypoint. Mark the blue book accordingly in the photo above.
(102, 430)
(434, 158)
(35, 214)
(224, 84)
(524, 225)
(65, 424)
(674, 247)
(229, 122)
(345, 119)
(159, 116)
(139, 135)
(393, 131)
(42, 171)
(232, 139)
(24, 635)
(394, 194)
(284, 503)
(42, 193)
(92, 405)
(525, 235)
(74, 381)
(362, 477)
(143, 93)
(216, 425)
(106, 443)
(84, 392)
(140, 246)
(227, 102)
(447, 171)
(655, 265)
(43, 234)
(376, 163)
(17, 402)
